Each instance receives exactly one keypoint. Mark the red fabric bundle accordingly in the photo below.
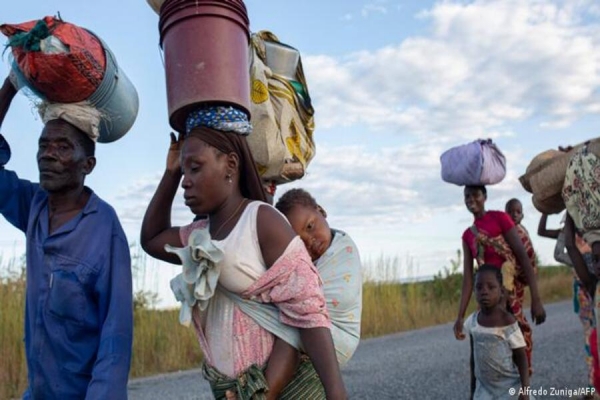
(66, 76)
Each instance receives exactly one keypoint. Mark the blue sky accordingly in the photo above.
(394, 84)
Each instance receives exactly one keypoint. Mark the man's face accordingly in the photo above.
(61, 158)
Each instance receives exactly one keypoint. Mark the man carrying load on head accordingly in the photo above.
(78, 311)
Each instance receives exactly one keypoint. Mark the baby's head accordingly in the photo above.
(514, 208)
(308, 220)
(488, 286)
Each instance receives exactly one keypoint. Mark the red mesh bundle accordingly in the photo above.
(70, 75)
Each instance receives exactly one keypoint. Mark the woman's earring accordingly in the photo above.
(228, 176)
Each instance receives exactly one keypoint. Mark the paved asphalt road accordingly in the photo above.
(423, 364)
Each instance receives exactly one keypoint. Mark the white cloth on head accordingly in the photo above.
(82, 115)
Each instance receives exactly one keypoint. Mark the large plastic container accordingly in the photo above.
(205, 45)
(116, 98)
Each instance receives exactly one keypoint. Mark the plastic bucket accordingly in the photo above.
(116, 98)
(205, 45)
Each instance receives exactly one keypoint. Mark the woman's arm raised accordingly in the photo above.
(545, 232)
(156, 226)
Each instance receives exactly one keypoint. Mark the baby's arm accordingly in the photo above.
(281, 367)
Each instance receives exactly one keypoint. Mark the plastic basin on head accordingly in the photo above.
(205, 45)
(117, 99)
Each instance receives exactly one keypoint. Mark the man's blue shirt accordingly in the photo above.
(79, 311)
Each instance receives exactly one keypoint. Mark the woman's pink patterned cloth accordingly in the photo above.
(292, 283)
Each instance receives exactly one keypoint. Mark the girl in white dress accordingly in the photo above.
(499, 368)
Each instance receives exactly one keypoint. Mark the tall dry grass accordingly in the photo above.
(13, 368)
(162, 345)
(390, 307)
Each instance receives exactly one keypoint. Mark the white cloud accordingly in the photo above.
(483, 66)
(396, 186)
(354, 182)
(377, 6)
(134, 198)
(368, 9)
(382, 185)
(389, 199)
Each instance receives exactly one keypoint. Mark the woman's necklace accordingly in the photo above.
(230, 218)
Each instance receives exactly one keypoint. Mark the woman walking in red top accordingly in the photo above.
(493, 239)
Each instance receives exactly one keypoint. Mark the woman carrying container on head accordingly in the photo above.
(493, 239)
(224, 255)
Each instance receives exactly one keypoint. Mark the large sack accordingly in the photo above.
(545, 175)
(550, 205)
(281, 112)
(538, 163)
(476, 163)
(58, 61)
(549, 180)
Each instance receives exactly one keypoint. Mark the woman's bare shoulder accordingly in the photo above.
(274, 233)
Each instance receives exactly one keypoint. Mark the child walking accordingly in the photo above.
(499, 368)
(514, 208)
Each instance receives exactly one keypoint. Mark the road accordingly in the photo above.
(422, 364)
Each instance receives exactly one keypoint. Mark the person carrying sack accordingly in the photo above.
(79, 302)
(493, 239)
